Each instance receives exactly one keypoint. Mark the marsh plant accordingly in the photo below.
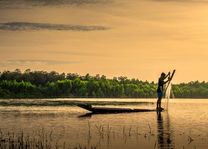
(41, 139)
(48, 139)
(96, 136)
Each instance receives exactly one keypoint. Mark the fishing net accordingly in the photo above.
(168, 94)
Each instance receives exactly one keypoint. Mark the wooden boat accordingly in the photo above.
(113, 110)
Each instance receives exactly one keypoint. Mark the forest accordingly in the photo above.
(43, 84)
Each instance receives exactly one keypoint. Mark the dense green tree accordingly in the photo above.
(42, 84)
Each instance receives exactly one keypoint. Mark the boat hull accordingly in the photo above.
(113, 110)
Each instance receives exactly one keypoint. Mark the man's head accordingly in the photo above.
(162, 75)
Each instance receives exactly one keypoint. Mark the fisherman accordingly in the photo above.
(160, 88)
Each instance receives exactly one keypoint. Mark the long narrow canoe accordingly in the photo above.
(113, 110)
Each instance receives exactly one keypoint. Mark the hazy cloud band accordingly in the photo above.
(23, 3)
(14, 26)
(47, 62)
(183, 1)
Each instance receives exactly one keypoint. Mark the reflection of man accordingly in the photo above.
(165, 139)
(160, 128)
(160, 88)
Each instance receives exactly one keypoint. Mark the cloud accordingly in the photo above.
(64, 2)
(40, 62)
(184, 1)
(81, 53)
(25, 3)
(13, 26)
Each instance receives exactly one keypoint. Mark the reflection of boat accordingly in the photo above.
(112, 110)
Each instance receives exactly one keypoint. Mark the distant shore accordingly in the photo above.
(42, 84)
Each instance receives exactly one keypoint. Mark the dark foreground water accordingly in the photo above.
(184, 125)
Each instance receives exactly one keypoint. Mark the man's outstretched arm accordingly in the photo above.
(167, 75)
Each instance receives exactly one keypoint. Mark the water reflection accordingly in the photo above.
(86, 115)
(165, 132)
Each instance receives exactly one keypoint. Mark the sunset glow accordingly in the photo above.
(137, 39)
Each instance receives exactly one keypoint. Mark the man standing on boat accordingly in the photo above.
(160, 88)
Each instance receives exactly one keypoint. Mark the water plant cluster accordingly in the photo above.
(95, 136)
(42, 139)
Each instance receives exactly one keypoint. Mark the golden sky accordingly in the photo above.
(136, 38)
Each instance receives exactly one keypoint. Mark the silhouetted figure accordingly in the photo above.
(160, 88)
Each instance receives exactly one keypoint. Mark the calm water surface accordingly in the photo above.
(183, 126)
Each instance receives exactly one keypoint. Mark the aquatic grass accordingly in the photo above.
(106, 131)
(155, 144)
(150, 130)
(47, 139)
(129, 131)
(42, 139)
(84, 147)
(100, 130)
(190, 139)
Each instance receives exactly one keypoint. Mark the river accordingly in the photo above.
(184, 125)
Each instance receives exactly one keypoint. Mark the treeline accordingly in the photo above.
(42, 84)
(193, 89)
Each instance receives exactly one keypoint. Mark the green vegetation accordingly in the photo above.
(193, 89)
(42, 84)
